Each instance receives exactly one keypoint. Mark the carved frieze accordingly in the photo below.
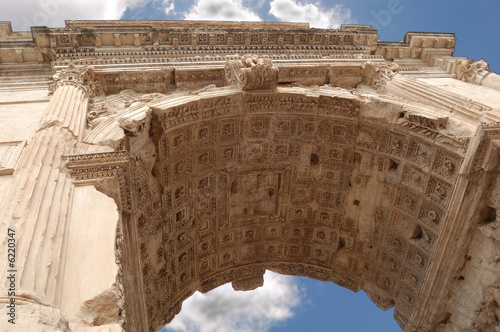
(192, 78)
(141, 81)
(306, 75)
(346, 76)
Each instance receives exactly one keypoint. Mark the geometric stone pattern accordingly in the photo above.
(274, 183)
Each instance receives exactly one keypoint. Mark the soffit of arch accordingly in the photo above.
(273, 135)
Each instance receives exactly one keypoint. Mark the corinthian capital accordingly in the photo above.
(469, 71)
(252, 73)
(377, 74)
(82, 77)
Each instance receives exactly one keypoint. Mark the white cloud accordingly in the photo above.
(222, 10)
(225, 310)
(318, 17)
(169, 7)
(53, 13)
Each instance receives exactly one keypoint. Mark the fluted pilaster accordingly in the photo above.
(42, 191)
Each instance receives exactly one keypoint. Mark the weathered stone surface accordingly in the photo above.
(183, 158)
(36, 317)
(252, 73)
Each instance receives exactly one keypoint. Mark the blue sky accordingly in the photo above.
(283, 304)
(328, 307)
(288, 303)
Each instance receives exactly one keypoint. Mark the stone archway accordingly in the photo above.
(315, 182)
(324, 153)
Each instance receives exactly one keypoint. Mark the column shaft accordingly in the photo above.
(41, 197)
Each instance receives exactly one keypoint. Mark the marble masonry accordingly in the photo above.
(141, 161)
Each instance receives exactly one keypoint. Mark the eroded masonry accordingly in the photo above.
(142, 161)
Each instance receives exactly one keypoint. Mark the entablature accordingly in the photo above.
(104, 39)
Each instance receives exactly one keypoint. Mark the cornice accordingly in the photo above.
(172, 23)
(173, 39)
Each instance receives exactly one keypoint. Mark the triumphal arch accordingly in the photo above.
(142, 161)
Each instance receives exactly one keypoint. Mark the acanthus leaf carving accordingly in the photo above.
(252, 72)
(83, 77)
